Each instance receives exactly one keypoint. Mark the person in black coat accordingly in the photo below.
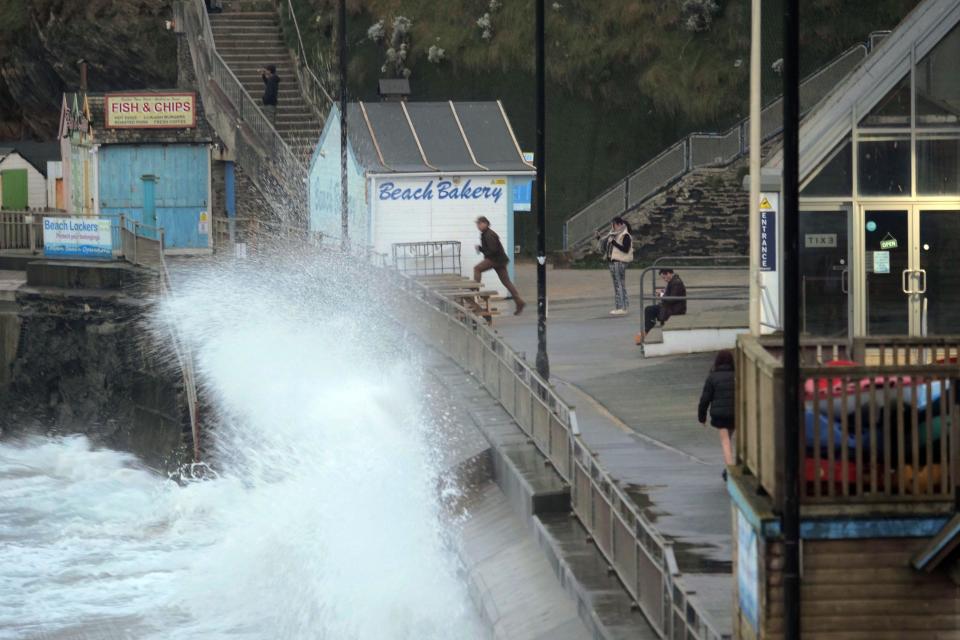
(720, 397)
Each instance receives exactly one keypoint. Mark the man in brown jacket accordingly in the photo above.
(673, 303)
(494, 257)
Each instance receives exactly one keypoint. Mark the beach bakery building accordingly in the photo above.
(421, 171)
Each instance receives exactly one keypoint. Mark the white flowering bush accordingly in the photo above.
(698, 14)
(486, 27)
(436, 54)
(397, 45)
(377, 32)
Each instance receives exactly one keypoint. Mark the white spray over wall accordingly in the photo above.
(323, 520)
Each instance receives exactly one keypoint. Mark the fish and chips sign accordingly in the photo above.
(150, 110)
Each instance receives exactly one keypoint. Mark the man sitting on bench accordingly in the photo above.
(674, 303)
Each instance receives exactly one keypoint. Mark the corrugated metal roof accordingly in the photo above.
(440, 136)
(490, 136)
(433, 137)
(395, 137)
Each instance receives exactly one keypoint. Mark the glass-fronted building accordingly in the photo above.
(880, 188)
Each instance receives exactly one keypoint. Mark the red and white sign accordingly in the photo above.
(150, 110)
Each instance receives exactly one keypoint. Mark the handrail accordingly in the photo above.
(211, 65)
(686, 147)
(302, 55)
(186, 362)
(676, 263)
(181, 349)
(636, 551)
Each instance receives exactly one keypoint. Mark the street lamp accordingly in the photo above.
(342, 58)
(543, 362)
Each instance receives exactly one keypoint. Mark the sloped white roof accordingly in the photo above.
(831, 120)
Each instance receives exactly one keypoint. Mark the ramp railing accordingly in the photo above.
(143, 245)
(641, 557)
(275, 169)
(723, 292)
(699, 150)
(313, 89)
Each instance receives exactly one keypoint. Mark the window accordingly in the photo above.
(938, 84)
(884, 167)
(938, 166)
(835, 176)
(893, 110)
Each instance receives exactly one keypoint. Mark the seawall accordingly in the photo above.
(77, 357)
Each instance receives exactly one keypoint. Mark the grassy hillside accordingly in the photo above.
(626, 77)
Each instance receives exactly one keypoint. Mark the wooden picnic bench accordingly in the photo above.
(464, 292)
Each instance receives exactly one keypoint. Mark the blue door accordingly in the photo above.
(180, 192)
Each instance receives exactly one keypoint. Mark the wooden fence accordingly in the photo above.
(879, 425)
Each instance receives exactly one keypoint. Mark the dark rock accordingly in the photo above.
(125, 44)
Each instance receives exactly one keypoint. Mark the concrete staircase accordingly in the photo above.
(250, 40)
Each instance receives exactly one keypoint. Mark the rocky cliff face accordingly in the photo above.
(41, 42)
(85, 362)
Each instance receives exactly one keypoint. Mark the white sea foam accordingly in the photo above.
(322, 521)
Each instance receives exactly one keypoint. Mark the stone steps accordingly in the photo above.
(248, 41)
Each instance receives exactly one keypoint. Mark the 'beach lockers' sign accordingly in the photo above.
(150, 110)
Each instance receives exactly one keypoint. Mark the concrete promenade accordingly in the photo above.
(639, 416)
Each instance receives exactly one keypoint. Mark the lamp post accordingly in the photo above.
(791, 319)
(342, 59)
(543, 362)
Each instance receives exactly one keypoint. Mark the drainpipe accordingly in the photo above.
(791, 320)
(83, 76)
(230, 200)
(149, 200)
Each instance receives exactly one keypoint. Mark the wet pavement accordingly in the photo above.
(639, 416)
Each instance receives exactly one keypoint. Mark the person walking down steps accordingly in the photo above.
(494, 257)
(617, 249)
(271, 91)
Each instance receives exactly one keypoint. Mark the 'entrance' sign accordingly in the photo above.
(768, 232)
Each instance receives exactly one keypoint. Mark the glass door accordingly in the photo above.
(825, 272)
(889, 278)
(938, 274)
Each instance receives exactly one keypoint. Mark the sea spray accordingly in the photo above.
(322, 519)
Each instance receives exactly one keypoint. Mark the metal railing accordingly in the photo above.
(639, 555)
(314, 91)
(695, 293)
(185, 361)
(141, 244)
(427, 258)
(880, 425)
(251, 235)
(699, 150)
(273, 167)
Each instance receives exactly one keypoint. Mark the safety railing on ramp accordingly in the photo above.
(143, 245)
(275, 169)
(699, 150)
(641, 557)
